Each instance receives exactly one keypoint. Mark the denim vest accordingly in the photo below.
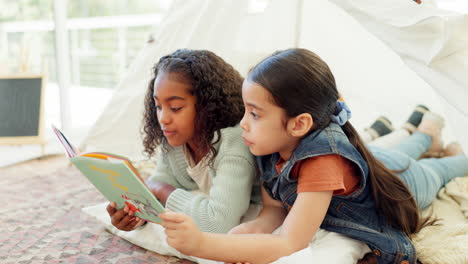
(353, 215)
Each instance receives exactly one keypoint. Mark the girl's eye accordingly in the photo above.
(158, 107)
(175, 109)
(254, 115)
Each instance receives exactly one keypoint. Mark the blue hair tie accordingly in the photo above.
(342, 113)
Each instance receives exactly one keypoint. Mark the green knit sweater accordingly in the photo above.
(233, 175)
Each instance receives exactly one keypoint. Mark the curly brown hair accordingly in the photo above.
(217, 87)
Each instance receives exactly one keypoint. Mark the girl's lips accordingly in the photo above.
(168, 133)
(248, 143)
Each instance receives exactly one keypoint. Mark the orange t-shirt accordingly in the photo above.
(324, 173)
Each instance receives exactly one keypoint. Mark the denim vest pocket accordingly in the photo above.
(346, 226)
(393, 246)
(351, 213)
(363, 233)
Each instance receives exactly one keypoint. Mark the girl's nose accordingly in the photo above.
(164, 117)
(243, 123)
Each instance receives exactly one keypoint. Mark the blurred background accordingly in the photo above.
(103, 38)
(93, 42)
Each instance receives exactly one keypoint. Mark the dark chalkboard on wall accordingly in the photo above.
(21, 109)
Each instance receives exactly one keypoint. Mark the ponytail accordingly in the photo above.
(393, 199)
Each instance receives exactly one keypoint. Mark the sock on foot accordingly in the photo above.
(415, 118)
(432, 125)
(381, 126)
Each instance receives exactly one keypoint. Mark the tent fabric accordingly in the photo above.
(431, 41)
(370, 73)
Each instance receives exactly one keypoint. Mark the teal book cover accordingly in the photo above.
(116, 178)
(116, 181)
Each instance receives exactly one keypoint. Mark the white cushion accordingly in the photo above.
(323, 249)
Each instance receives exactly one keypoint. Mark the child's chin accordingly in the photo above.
(175, 143)
(255, 151)
(258, 152)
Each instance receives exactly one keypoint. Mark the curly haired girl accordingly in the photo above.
(192, 109)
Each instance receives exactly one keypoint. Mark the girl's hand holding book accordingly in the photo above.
(182, 233)
(123, 219)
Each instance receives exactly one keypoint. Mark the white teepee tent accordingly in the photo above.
(387, 56)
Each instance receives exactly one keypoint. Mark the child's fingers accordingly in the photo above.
(170, 225)
(135, 222)
(126, 220)
(141, 222)
(111, 209)
(173, 217)
(121, 217)
(172, 233)
(118, 215)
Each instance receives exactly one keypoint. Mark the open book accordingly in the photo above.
(116, 178)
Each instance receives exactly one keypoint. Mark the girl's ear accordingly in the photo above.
(300, 125)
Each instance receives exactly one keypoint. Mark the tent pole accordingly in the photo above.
(62, 66)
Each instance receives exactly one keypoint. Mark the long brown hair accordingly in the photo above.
(301, 82)
(217, 87)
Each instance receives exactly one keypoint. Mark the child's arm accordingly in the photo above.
(163, 181)
(297, 231)
(228, 198)
(270, 217)
(161, 190)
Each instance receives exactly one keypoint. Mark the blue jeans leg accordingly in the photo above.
(447, 168)
(425, 177)
(414, 145)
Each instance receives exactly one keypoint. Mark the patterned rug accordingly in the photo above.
(41, 219)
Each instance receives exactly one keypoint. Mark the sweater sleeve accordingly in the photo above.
(163, 173)
(228, 199)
